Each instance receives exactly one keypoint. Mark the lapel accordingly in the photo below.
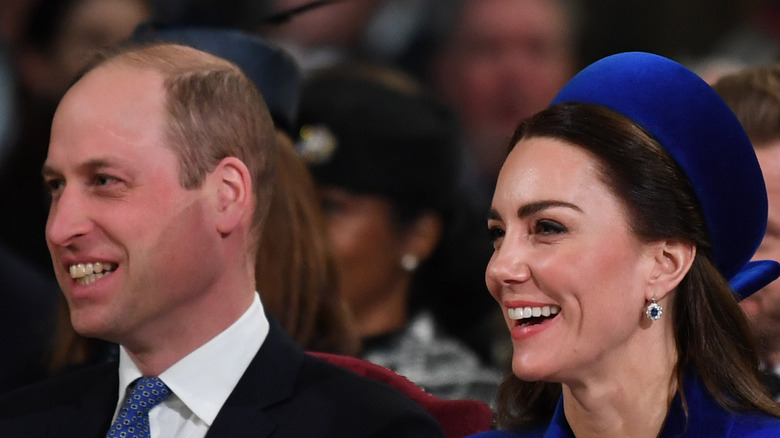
(89, 413)
(269, 380)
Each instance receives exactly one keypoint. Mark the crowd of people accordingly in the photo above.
(206, 197)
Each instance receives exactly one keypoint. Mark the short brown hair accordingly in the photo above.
(214, 111)
(754, 96)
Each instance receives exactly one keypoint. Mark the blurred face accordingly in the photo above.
(127, 241)
(317, 28)
(508, 60)
(92, 25)
(763, 307)
(566, 270)
(367, 246)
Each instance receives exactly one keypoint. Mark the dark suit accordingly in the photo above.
(283, 393)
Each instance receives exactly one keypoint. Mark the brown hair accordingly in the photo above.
(660, 203)
(214, 111)
(296, 270)
(753, 95)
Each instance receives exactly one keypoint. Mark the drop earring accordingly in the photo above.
(654, 310)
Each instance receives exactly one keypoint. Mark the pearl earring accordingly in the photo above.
(409, 262)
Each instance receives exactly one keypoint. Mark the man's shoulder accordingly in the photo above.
(347, 404)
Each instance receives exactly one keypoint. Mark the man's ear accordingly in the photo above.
(233, 189)
(672, 261)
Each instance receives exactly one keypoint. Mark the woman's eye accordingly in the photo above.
(547, 227)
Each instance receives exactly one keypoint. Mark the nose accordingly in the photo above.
(68, 219)
(508, 266)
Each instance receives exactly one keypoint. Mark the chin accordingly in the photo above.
(530, 371)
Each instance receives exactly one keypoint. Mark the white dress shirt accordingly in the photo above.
(201, 381)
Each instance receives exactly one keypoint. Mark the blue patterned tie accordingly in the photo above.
(133, 418)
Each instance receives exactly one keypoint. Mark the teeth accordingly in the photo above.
(528, 312)
(86, 273)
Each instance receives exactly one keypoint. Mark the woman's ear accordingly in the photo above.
(423, 235)
(233, 189)
(672, 261)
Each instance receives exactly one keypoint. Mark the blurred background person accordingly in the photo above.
(27, 320)
(409, 249)
(60, 36)
(503, 61)
(754, 96)
(296, 267)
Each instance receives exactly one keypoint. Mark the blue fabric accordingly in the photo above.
(706, 419)
(701, 133)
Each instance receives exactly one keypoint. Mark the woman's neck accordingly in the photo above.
(630, 398)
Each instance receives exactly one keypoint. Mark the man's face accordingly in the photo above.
(763, 307)
(508, 60)
(117, 206)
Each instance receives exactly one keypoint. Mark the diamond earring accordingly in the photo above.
(654, 310)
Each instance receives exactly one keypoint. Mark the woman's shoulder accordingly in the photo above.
(509, 434)
(755, 426)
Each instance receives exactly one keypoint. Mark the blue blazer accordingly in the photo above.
(283, 393)
(706, 419)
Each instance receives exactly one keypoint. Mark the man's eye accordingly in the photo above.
(53, 185)
(547, 227)
(103, 180)
(495, 233)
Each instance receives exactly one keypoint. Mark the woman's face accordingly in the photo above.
(367, 244)
(563, 248)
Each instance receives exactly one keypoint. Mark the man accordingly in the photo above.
(754, 96)
(160, 168)
(502, 61)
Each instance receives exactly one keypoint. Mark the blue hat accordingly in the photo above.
(701, 133)
(273, 71)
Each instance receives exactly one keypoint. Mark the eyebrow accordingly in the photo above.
(534, 207)
(90, 166)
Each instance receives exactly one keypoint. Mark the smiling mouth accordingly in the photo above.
(86, 273)
(524, 316)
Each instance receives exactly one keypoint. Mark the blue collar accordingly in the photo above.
(706, 418)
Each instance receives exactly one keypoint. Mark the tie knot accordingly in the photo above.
(147, 392)
(133, 418)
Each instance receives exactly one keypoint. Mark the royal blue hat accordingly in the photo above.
(273, 71)
(700, 132)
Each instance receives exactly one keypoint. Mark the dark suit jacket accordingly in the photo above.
(283, 393)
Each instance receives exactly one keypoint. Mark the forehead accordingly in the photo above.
(111, 106)
(543, 168)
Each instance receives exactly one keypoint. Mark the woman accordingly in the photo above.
(385, 161)
(619, 217)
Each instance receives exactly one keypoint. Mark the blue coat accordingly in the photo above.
(706, 419)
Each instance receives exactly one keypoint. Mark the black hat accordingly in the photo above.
(367, 134)
(273, 71)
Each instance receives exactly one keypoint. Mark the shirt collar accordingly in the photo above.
(204, 379)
